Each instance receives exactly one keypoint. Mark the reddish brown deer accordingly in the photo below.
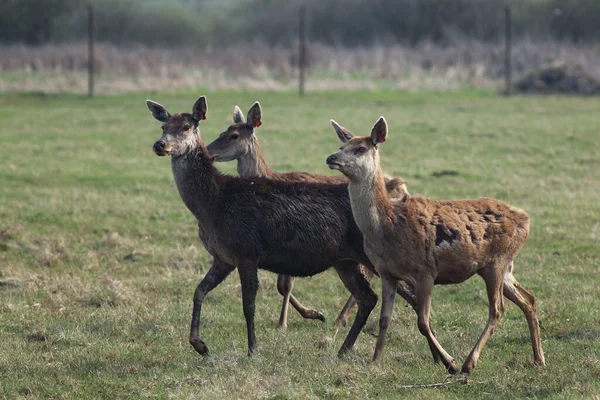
(291, 228)
(239, 142)
(427, 242)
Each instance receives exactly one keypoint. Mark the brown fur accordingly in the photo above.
(424, 242)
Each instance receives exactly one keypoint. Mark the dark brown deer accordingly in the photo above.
(427, 242)
(239, 142)
(292, 228)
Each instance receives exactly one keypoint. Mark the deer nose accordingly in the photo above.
(331, 159)
(159, 146)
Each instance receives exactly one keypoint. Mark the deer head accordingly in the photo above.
(358, 157)
(180, 131)
(238, 139)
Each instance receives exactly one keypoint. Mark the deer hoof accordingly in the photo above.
(452, 368)
(199, 346)
(467, 368)
(320, 316)
(342, 352)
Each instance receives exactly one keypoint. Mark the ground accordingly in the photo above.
(99, 257)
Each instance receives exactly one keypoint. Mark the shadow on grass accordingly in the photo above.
(444, 172)
(578, 334)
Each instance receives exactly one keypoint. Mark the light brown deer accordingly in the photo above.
(426, 242)
(240, 142)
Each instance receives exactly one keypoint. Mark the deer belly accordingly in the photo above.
(456, 273)
(294, 264)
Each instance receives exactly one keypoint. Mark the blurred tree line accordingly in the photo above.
(338, 22)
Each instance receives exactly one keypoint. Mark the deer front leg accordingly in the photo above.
(387, 306)
(408, 294)
(342, 318)
(424, 292)
(217, 273)
(249, 280)
(349, 272)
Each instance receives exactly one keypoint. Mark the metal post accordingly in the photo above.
(507, 52)
(301, 50)
(90, 50)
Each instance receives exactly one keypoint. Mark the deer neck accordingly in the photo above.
(371, 207)
(197, 182)
(252, 162)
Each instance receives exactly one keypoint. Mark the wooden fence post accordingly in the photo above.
(507, 51)
(301, 50)
(90, 50)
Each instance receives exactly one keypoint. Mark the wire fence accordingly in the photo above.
(483, 48)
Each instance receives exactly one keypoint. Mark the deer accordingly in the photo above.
(426, 242)
(292, 228)
(240, 142)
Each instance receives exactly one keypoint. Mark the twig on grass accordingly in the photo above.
(462, 381)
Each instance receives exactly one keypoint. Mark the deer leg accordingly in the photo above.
(349, 272)
(249, 280)
(217, 273)
(285, 284)
(516, 293)
(342, 318)
(423, 291)
(305, 312)
(493, 284)
(408, 294)
(387, 306)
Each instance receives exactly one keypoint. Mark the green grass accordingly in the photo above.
(99, 257)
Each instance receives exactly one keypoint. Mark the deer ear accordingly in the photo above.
(199, 109)
(343, 134)
(237, 115)
(379, 131)
(158, 111)
(254, 118)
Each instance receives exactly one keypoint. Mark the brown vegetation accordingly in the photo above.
(260, 67)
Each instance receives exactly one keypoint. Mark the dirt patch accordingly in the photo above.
(561, 79)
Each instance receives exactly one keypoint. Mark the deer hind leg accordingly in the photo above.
(493, 280)
(217, 273)
(354, 280)
(249, 280)
(424, 290)
(285, 284)
(516, 293)
(342, 318)
(387, 306)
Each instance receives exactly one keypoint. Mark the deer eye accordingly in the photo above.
(186, 127)
(360, 150)
(235, 136)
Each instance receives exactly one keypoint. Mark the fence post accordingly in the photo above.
(90, 50)
(507, 51)
(301, 50)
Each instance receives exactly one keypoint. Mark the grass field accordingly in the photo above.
(99, 257)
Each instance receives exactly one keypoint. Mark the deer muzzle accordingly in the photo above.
(160, 148)
(332, 162)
